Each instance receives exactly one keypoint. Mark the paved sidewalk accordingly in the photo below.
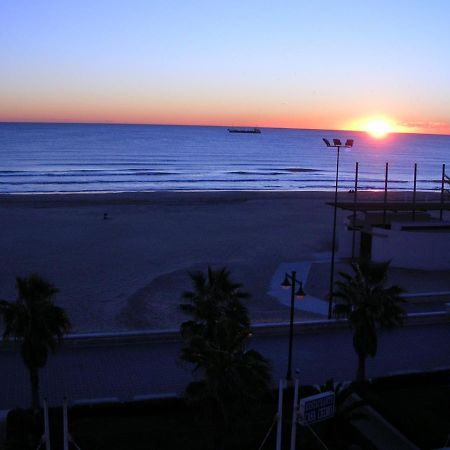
(126, 371)
(309, 303)
(430, 294)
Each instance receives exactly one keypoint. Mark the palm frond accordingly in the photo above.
(34, 319)
(214, 341)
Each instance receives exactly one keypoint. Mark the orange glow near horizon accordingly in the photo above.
(378, 126)
(168, 113)
(110, 111)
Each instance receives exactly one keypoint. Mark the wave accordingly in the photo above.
(78, 174)
(300, 169)
(137, 181)
(117, 158)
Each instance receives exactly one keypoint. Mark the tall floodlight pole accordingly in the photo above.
(336, 144)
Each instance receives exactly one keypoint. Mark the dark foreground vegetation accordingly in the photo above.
(418, 405)
(165, 425)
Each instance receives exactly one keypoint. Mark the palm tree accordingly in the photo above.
(370, 304)
(37, 323)
(215, 343)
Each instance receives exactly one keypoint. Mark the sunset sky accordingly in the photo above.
(302, 64)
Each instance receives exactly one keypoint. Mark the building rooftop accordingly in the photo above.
(367, 206)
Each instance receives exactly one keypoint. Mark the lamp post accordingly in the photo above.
(290, 281)
(336, 144)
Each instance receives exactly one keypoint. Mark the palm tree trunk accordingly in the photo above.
(34, 379)
(361, 372)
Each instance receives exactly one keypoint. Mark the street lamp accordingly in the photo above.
(336, 144)
(290, 281)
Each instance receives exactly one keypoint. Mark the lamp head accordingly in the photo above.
(327, 142)
(300, 294)
(349, 143)
(337, 142)
(286, 283)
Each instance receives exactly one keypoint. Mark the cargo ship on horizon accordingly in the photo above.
(245, 130)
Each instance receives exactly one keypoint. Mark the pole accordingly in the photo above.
(291, 328)
(46, 426)
(442, 192)
(355, 199)
(294, 416)
(65, 426)
(333, 243)
(280, 414)
(414, 192)
(385, 193)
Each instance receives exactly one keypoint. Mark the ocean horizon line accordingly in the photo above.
(22, 122)
(72, 157)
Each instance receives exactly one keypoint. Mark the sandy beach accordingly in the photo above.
(128, 272)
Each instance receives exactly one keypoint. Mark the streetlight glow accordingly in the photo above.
(300, 294)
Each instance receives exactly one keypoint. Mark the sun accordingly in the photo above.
(378, 128)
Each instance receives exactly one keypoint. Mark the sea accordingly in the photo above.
(78, 158)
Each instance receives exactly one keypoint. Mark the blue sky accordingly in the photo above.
(309, 64)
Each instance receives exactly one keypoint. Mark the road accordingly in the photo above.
(138, 370)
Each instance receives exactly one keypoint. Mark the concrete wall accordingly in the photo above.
(345, 238)
(412, 249)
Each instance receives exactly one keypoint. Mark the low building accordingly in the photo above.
(410, 235)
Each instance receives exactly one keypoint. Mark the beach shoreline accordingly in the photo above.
(128, 272)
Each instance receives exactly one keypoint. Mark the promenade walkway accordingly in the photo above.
(430, 294)
(120, 370)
